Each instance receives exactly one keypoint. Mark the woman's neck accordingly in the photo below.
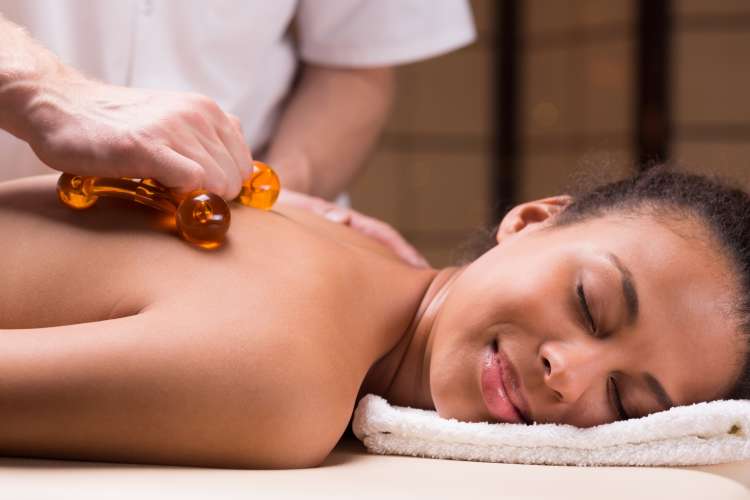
(402, 375)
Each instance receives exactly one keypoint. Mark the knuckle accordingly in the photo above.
(122, 146)
(217, 180)
(213, 108)
(192, 115)
(194, 175)
(234, 132)
(205, 103)
(197, 99)
(236, 123)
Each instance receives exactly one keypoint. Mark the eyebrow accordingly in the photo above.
(628, 288)
(631, 303)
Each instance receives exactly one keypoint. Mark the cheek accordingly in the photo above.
(539, 301)
(461, 335)
(459, 341)
(454, 364)
(519, 283)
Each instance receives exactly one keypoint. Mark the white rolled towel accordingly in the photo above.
(700, 434)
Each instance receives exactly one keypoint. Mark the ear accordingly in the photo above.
(531, 216)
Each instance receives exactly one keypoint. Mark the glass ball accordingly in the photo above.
(203, 219)
(75, 191)
(261, 189)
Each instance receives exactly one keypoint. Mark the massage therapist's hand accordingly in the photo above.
(376, 229)
(185, 141)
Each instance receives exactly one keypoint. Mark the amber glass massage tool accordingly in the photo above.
(201, 217)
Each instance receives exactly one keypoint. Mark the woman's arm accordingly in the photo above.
(162, 387)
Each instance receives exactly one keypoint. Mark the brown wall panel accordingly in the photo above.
(552, 174)
(449, 192)
(708, 7)
(383, 190)
(730, 160)
(447, 95)
(712, 78)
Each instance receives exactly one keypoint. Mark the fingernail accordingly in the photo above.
(336, 216)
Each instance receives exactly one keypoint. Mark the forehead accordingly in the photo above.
(686, 291)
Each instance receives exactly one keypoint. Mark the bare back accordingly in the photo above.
(284, 320)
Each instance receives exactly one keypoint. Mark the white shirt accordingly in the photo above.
(238, 52)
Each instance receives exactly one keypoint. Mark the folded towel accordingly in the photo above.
(699, 434)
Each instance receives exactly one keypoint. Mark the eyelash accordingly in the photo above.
(616, 401)
(585, 308)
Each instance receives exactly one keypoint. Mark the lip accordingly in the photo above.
(500, 388)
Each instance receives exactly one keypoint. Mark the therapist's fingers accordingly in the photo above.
(221, 158)
(227, 147)
(305, 201)
(369, 226)
(387, 235)
(234, 141)
(213, 178)
(176, 170)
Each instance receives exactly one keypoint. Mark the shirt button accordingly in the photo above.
(147, 7)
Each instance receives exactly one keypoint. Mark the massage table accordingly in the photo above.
(350, 472)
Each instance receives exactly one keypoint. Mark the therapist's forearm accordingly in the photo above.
(82, 126)
(329, 126)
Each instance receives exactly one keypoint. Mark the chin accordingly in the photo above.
(459, 413)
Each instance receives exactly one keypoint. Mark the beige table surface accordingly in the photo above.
(352, 473)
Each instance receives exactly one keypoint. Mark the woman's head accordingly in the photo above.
(638, 292)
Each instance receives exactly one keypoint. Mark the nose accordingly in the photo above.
(570, 368)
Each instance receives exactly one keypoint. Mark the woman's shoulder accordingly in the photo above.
(341, 232)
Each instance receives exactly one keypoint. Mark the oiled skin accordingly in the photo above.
(250, 356)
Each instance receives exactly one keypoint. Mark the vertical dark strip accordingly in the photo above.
(506, 113)
(653, 120)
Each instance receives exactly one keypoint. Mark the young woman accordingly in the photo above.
(119, 342)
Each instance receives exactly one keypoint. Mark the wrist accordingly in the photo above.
(294, 171)
(23, 88)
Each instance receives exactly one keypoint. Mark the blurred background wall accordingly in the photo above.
(551, 88)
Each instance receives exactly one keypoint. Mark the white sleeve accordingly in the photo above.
(362, 33)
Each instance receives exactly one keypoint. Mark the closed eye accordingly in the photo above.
(614, 396)
(585, 308)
